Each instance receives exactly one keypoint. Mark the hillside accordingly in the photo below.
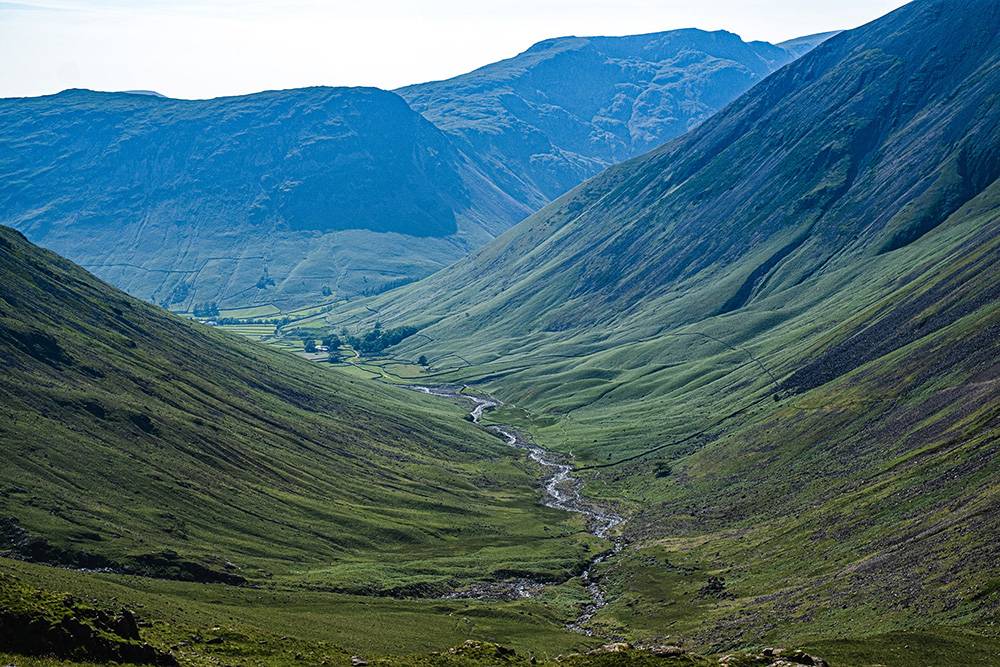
(143, 443)
(545, 120)
(773, 341)
(264, 198)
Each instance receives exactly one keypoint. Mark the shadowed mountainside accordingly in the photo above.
(243, 199)
(144, 443)
(285, 197)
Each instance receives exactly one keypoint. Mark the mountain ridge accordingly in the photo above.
(327, 191)
(642, 90)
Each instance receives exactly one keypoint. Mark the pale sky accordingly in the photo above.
(190, 49)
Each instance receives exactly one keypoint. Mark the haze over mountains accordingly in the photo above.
(286, 196)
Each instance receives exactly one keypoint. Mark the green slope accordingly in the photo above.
(136, 441)
(778, 336)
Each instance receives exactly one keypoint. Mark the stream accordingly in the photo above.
(562, 491)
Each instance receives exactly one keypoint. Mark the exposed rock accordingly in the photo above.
(773, 657)
(125, 625)
(358, 661)
(715, 588)
(483, 650)
(614, 647)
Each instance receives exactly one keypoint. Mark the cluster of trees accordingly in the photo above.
(374, 342)
(386, 286)
(377, 340)
(332, 343)
(210, 309)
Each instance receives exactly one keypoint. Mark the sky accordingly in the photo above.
(191, 49)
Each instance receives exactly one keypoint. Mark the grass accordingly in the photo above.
(861, 501)
(273, 626)
(251, 312)
(150, 444)
(255, 331)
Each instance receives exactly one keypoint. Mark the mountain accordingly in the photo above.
(142, 443)
(254, 199)
(294, 197)
(547, 119)
(772, 341)
(143, 92)
(800, 46)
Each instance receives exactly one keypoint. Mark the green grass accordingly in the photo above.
(256, 331)
(272, 626)
(138, 440)
(251, 312)
(645, 322)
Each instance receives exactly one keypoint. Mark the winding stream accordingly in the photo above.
(562, 491)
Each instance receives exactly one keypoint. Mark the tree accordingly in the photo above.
(422, 360)
(327, 291)
(210, 309)
(334, 356)
(331, 342)
(310, 346)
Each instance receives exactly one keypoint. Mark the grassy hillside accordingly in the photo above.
(773, 342)
(142, 443)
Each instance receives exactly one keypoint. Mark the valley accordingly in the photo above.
(663, 350)
(809, 399)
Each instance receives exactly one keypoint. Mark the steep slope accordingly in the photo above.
(263, 198)
(774, 340)
(140, 442)
(566, 108)
(855, 151)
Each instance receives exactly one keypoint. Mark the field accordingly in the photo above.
(256, 331)
(251, 312)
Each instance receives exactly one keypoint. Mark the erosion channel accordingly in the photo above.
(562, 491)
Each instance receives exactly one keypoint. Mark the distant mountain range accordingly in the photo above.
(776, 335)
(288, 196)
(243, 199)
(566, 108)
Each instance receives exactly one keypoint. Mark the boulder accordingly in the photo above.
(614, 647)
